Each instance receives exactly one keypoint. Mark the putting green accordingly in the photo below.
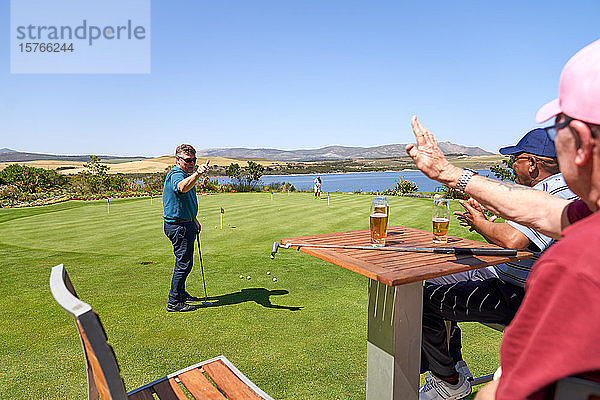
(301, 336)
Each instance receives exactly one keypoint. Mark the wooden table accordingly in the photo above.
(396, 297)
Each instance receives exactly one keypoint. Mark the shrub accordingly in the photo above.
(404, 186)
(209, 186)
(450, 193)
(502, 173)
(30, 179)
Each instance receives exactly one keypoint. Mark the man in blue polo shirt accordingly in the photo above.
(180, 224)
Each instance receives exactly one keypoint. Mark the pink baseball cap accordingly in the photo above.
(579, 90)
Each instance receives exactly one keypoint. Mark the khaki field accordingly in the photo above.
(150, 165)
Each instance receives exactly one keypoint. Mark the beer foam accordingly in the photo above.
(378, 215)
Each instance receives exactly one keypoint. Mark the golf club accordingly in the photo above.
(205, 302)
(441, 250)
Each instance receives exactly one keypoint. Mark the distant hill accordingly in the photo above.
(324, 153)
(334, 152)
(7, 155)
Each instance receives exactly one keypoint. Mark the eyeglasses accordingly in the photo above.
(188, 160)
(552, 130)
(515, 159)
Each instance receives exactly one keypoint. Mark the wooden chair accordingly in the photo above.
(217, 378)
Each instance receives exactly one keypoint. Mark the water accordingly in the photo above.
(351, 182)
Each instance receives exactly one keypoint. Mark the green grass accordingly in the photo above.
(316, 352)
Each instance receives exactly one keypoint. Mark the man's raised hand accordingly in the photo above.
(204, 167)
(428, 156)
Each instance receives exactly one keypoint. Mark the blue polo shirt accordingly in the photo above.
(178, 206)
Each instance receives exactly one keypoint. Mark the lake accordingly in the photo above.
(351, 182)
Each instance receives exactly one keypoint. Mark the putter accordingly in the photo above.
(441, 250)
(205, 302)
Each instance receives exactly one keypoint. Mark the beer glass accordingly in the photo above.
(441, 219)
(380, 210)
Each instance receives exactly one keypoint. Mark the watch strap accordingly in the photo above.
(464, 179)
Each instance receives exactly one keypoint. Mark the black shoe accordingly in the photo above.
(190, 299)
(180, 307)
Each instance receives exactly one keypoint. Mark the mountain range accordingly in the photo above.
(324, 153)
(334, 152)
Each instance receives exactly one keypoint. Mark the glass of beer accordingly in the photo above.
(380, 210)
(441, 219)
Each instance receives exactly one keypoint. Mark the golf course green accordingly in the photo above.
(302, 336)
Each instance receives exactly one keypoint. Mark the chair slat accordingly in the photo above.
(200, 387)
(233, 387)
(92, 361)
(143, 395)
(169, 390)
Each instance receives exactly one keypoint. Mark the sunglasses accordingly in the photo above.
(517, 158)
(552, 130)
(188, 160)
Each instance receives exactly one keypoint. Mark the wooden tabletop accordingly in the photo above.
(396, 268)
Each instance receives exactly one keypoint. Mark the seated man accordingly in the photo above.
(555, 331)
(490, 295)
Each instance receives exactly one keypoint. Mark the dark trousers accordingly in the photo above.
(491, 300)
(182, 236)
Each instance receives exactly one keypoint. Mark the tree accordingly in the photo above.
(233, 171)
(505, 174)
(95, 176)
(244, 179)
(255, 171)
(95, 168)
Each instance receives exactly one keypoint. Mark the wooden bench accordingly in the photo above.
(215, 379)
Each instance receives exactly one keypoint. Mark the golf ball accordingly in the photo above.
(268, 272)
(274, 279)
(241, 276)
(248, 277)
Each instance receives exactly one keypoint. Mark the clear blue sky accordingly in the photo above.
(293, 74)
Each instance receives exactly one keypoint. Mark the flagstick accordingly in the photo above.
(221, 220)
(108, 206)
(150, 199)
(328, 199)
(271, 195)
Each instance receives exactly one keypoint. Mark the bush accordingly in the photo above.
(30, 179)
(404, 186)
(279, 187)
(209, 186)
(450, 193)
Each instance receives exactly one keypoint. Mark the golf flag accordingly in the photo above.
(222, 211)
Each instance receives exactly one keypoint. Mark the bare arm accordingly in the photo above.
(533, 208)
(188, 183)
(488, 392)
(501, 234)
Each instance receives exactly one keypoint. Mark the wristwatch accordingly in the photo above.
(464, 179)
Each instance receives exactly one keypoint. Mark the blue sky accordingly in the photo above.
(305, 74)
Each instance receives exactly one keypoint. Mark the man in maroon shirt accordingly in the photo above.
(556, 332)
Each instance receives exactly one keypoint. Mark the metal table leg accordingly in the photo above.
(394, 341)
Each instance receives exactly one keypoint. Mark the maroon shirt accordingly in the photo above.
(556, 332)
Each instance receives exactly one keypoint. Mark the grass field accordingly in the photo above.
(302, 337)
